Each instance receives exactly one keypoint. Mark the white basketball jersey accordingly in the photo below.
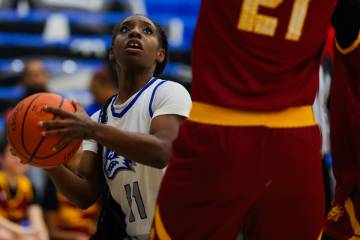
(133, 185)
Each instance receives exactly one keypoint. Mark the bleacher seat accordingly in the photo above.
(173, 7)
(84, 45)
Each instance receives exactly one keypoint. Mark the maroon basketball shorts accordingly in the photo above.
(264, 179)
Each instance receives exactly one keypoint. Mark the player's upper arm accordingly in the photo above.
(170, 106)
(170, 98)
(165, 129)
(346, 21)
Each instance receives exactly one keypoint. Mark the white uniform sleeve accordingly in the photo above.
(90, 144)
(171, 98)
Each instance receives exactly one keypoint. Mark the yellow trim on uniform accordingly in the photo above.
(349, 207)
(349, 49)
(159, 226)
(321, 234)
(302, 116)
(23, 190)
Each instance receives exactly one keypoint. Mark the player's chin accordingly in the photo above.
(133, 58)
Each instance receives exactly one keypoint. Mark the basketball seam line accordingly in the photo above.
(17, 150)
(13, 145)
(43, 138)
(23, 125)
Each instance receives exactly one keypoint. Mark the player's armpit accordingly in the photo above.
(346, 21)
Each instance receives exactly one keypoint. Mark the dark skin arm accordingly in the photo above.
(82, 189)
(152, 149)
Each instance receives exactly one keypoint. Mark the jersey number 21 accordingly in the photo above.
(251, 21)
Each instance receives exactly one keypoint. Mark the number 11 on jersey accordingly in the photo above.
(134, 193)
(251, 21)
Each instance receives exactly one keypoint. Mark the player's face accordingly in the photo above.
(12, 164)
(137, 43)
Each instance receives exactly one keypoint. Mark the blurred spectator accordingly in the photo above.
(102, 87)
(66, 221)
(321, 110)
(20, 215)
(34, 78)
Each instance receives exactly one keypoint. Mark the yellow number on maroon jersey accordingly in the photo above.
(251, 21)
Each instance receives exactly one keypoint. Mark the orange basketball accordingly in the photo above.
(24, 132)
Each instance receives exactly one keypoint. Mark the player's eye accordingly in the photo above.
(148, 30)
(124, 29)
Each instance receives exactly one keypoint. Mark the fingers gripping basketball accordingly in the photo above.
(24, 131)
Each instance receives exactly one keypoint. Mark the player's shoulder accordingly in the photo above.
(169, 97)
(169, 88)
(96, 116)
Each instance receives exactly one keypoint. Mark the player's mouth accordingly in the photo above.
(133, 46)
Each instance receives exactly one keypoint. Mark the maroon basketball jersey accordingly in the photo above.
(259, 54)
(345, 118)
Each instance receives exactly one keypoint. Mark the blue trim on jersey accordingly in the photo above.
(152, 98)
(126, 109)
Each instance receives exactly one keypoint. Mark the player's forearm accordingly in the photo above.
(142, 148)
(78, 190)
(346, 21)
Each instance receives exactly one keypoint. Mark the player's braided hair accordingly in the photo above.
(163, 44)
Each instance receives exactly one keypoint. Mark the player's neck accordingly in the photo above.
(131, 82)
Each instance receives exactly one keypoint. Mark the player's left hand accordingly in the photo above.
(77, 125)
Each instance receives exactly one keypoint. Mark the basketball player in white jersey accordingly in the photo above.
(140, 123)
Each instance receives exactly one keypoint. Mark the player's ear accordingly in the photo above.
(160, 55)
(111, 55)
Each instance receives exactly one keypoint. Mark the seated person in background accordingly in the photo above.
(20, 216)
(65, 220)
(34, 78)
(102, 87)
